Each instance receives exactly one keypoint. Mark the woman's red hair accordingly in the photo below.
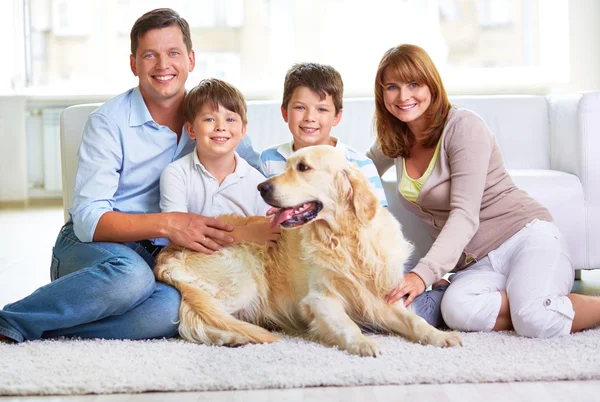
(409, 63)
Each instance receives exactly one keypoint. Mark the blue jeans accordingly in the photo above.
(98, 290)
(427, 305)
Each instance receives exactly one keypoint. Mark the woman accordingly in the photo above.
(514, 270)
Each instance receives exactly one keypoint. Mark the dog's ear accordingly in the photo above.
(356, 188)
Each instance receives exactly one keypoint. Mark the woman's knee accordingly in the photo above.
(465, 311)
(544, 317)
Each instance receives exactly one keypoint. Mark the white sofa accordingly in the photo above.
(548, 144)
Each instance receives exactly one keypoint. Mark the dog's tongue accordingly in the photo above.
(281, 215)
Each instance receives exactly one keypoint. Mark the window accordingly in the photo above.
(479, 45)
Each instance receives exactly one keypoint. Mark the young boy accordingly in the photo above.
(214, 180)
(312, 105)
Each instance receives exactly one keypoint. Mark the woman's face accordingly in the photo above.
(407, 101)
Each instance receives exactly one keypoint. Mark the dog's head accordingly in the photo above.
(319, 183)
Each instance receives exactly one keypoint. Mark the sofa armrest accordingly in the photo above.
(575, 148)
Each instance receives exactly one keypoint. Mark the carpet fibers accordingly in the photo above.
(66, 367)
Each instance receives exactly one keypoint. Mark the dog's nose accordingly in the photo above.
(265, 188)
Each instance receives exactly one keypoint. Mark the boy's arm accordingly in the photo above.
(370, 171)
(272, 162)
(260, 232)
(263, 165)
(257, 232)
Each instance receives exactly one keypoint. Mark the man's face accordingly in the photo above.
(162, 63)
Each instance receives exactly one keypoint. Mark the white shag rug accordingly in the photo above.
(66, 367)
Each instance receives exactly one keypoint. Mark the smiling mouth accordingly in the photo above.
(298, 215)
(164, 78)
(407, 107)
(309, 130)
(220, 139)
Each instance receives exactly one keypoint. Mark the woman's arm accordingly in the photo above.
(469, 147)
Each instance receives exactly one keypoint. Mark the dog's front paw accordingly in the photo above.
(230, 339)
(364, 347)
(446, 339)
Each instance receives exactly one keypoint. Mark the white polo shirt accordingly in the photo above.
(186, 186)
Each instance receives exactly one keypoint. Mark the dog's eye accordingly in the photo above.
(302, 167)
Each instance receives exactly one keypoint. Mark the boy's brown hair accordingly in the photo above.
(217, 92)
(156, 19)
(410, 63)
(321, 78)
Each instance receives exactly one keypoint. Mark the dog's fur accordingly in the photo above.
(327, 277)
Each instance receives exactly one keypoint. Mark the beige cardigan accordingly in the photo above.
(469, 202)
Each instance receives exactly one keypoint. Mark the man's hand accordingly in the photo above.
(197, 232)
(259, 233)
(412, 285)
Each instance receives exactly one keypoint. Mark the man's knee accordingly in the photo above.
(165, 316)
(121, 282)
(544, 317)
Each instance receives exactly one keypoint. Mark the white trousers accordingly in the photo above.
(534, 268)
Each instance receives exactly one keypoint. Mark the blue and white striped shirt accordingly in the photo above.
(273, 160)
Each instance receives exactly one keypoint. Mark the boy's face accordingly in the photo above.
(217, 132)
(309, 118)
(162, 64)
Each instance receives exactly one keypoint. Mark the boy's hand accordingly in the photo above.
(259, 233)
(198, 232)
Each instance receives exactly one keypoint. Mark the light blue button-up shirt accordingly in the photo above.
(122, 154)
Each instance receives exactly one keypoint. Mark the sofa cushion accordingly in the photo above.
(562, 194)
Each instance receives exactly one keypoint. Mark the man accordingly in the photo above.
(103, 285)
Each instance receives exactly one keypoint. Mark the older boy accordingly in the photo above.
(312, 105)
(214, 180)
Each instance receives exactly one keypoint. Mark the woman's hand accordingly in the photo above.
(411, 286)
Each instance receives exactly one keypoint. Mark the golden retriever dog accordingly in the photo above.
(340, 254)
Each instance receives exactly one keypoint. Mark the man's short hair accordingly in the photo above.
(156, 19)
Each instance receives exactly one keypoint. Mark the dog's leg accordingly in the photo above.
(331, 325)
(414, 328)
(202, 320)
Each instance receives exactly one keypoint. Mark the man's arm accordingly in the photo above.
(98, 175)
(99, 163)
(248, 153)
(185, 229)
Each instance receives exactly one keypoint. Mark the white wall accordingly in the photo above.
(13, 161)
(584, 43)
(584, 20)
